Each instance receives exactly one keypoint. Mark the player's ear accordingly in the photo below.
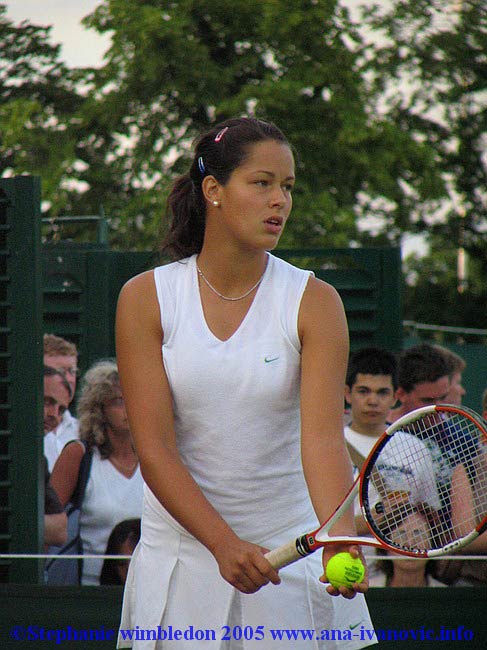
(211, 189)
(347, 394)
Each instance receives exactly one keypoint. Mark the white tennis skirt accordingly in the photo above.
(175, 599)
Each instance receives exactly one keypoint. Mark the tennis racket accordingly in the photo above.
(423, 488)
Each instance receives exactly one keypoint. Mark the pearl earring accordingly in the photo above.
(216, 203)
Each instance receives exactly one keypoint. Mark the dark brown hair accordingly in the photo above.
(217, 153)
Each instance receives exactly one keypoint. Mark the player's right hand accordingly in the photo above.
(244, 566)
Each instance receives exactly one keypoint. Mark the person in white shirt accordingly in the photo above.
(62, 355)
(370, 386)
(114, 488)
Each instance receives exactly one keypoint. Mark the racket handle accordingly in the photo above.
(289, 553)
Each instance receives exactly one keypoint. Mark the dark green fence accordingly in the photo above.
(81, 287)
(21, 430)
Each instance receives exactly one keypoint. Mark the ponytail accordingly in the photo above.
(187, 228)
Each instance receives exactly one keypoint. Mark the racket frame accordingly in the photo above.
(308, 543)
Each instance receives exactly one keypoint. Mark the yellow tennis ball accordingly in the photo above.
(343, 570)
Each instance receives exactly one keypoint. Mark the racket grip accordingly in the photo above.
(288, 553)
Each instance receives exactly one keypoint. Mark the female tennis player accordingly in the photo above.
(233, 366)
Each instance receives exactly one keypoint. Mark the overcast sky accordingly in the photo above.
(80, 46)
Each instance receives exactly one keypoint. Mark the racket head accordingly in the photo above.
(423, 488)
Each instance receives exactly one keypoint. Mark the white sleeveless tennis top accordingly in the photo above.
(236, 406)
(236, 402)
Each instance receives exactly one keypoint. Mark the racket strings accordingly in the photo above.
(427, 485)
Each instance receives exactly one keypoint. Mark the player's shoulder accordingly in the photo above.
(321, 295)
(138, 302)
(138, 289)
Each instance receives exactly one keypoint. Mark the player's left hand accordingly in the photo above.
(347, 592)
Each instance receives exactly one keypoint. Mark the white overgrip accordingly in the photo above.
(284, 555)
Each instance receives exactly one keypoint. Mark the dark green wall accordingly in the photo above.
(401, 612)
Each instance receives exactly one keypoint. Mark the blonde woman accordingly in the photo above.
(114, 488)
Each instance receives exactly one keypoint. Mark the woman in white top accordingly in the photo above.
(232, 364)
(114, 489)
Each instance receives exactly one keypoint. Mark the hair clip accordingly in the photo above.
(201, 165)
(220, 134)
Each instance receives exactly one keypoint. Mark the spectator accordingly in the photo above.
(122, 541)
(61, 355)
(456, 367)
(468, 573)
(57, 396)
(371, 383)
(114, 488)
(423, 379)
(413, 531)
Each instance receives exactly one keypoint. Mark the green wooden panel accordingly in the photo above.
(21, 422)
(369, 282)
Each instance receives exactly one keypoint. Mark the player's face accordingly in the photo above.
(457, 391)
(256, 201)
(371, 397)
(424, 394)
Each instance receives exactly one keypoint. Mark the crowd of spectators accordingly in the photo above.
(91, 461)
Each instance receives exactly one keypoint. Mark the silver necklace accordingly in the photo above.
(220, 295)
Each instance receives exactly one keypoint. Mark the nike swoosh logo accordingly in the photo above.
(352, 627)
(270, 360)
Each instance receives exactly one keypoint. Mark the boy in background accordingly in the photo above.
(370, 389)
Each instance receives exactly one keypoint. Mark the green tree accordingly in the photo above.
(38, 100)
(430, 67)
(176, 68)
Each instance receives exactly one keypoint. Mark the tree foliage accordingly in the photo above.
(38, 102)
(176, 68)
(387, 115)
(431, 66)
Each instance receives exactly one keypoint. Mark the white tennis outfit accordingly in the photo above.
(110, 498)
(236, 408)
